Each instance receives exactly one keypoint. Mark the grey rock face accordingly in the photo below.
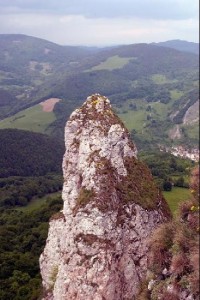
(96, 247)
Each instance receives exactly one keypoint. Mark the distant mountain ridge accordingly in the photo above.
(180, 45)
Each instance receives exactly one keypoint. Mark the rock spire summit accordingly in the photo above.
(97, 245)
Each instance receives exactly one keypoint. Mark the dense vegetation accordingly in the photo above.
(19, 191)
(174, 254)
(168, 170)
(30, 166)
(22, 238)
(26, 153)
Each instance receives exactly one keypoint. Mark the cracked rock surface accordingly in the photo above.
(97, 245)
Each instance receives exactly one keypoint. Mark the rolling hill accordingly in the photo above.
(26, 63)
(181, 46)
(152, 88)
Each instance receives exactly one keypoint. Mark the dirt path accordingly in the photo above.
(48, 105)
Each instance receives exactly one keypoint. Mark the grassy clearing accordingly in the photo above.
(32, 119)
(175, 94)
(161, 79)
(111, 63)
(134, 119)
(37, 202)
(176, 196)
(137, 119)
(161, 109)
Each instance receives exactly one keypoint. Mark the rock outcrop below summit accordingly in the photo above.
(97, 245)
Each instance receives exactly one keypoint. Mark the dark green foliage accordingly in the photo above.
(23, 234)
(167, 169)
(143, 192)
(30, 166)
(167, 186)
(25, 153)
(6, 98)
(22, 238)
(19, 191)
(160, 94)
(180, 182)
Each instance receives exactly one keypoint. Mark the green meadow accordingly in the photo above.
(176, 196)
(36, 203)
(111, 63)
(32, 119)
(134, 119)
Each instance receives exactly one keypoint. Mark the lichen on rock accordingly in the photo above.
(111, 205)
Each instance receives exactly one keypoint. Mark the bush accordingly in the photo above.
(167, 186)
(174, 251)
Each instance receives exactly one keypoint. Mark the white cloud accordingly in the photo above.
(101, 22)
(151, 9)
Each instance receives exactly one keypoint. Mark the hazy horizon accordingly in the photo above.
(96, 46)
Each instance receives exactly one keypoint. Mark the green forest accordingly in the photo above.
(23, 236)
(30, 172)
(25, 153)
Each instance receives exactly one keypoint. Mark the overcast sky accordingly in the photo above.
(102, 22)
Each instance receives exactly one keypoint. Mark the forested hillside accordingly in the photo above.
(26, 63)
(150, 86)
(180, 45)
(25, 153)
(30, 166)
(22, 238)
(30, 185)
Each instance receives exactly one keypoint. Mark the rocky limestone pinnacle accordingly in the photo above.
(97, 245)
